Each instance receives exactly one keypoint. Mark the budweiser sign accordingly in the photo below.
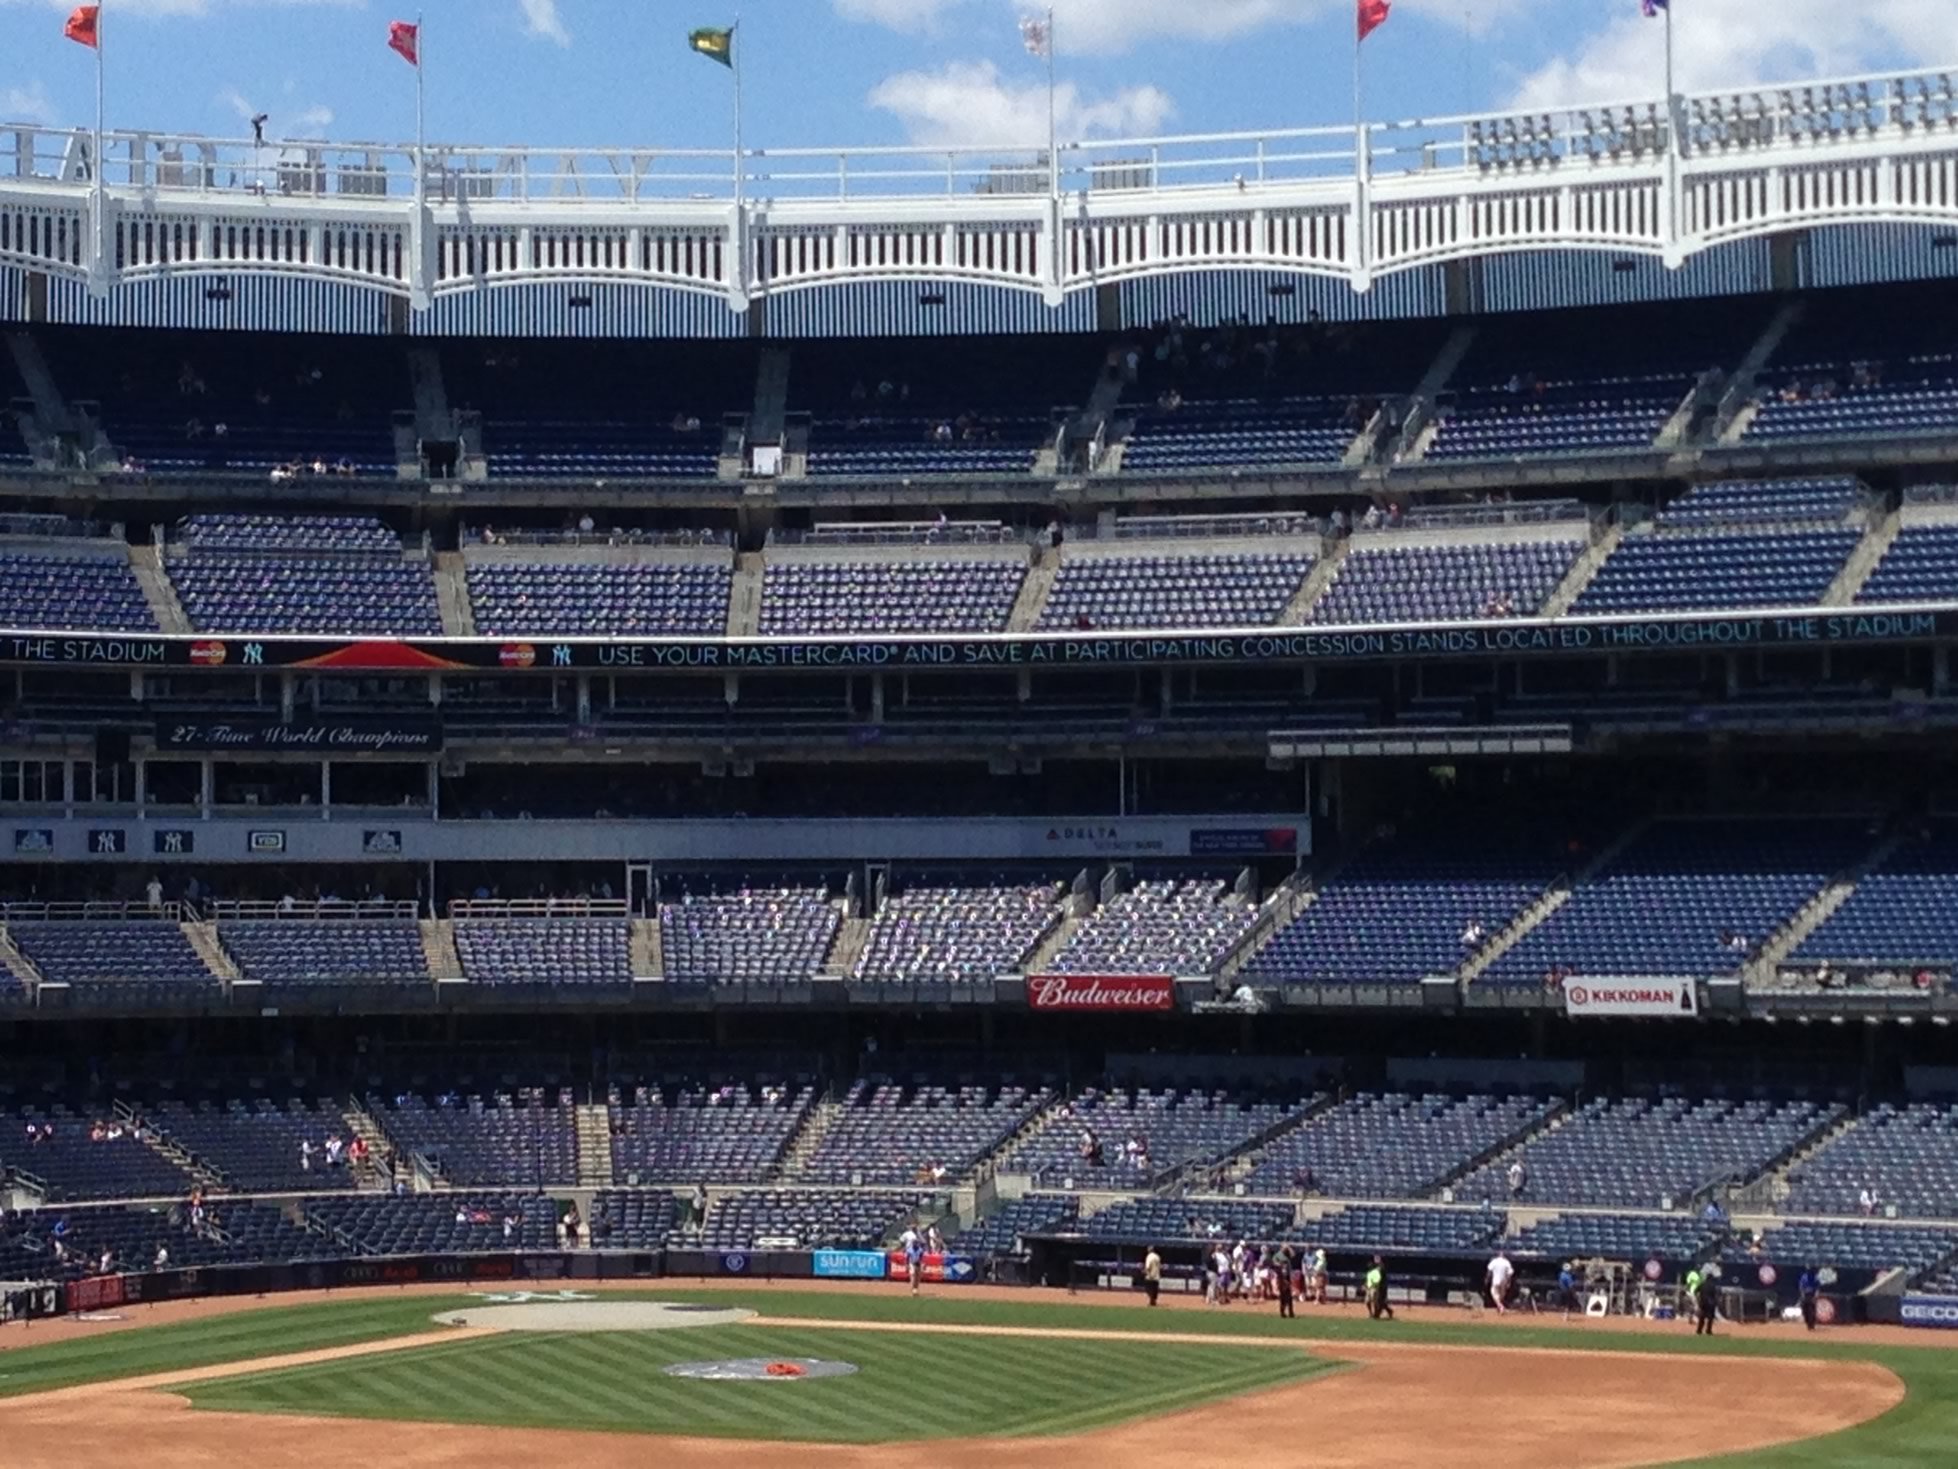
(1101, 992)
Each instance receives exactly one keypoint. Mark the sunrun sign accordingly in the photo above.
(1526, 638)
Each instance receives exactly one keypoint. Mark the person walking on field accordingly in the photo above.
(1283, 1267)
(1709, 1299)
(1808, 1287)
(1152, 1274)
(1376, 1292)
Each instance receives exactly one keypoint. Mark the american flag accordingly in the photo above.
(1037, 35)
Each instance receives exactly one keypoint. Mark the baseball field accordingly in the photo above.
(867, 1377)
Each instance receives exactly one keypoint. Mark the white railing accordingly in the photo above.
(1660, 176)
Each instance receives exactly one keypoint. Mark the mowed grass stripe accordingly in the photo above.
(906, 1388)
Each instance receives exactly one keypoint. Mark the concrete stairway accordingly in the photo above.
(648, 957)
(1056, 940)
(50, 408)
(768, 417)
(165, 1148)
(375, 1177)
(820, 1122)
(147, 563)
(1553, 899)
(1583, 571)
(1518, 1142)
(439, 949)
(1032, 598)
(851, 935)
(17, 964)
(1291, 898)
(1817, 911)
(1878, 537)
(744, 597)
(204, 938)
(1332, 555)
(1771, 1187)
(452, 594)
(1737, 406)
(594, 1147)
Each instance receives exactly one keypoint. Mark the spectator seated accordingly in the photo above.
(1417, 906)
(1905, 1157)
(1921, 565)
(1381, 581)
(1237, 589)
(803, 597)
(957, 935)
(1905, 913)
(329, 575)
(245, 402)
(891, 1134)
(1639, 1152)
(1915, 396)
(1686, 897)
(686, 1134)
(1392, 1145)
(255, 1147)
(594, 408)
(759, 936)
(477, 1143)
(449, 1223)
(1755, 501)
(1120, 1140)
(1688, 570)
(1799, 1244)
(545, 951)
(76, 1157)
(1159, 927)
(71, 586)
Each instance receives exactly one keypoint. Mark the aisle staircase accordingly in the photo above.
(1583, 571)
(439, 949)
(594, 1146)
(1552, 899)
(648, 953)
(1032, 598)
(375, 1177)
(147, 563)
(818, 1125)
(204, 938)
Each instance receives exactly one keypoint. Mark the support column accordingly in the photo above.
(1785, 252)
(1108, 309)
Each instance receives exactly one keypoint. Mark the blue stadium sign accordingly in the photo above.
(848, 1264)
(1569, 637)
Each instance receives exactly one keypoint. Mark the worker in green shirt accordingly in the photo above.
(1376, 1292)
(1692, 1299)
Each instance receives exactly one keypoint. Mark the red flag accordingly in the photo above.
(404, 39)
(82, 25)
(1373, 15)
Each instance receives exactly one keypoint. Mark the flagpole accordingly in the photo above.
(421, 112)
(100, 266)
(1053, 141)
(739, 168)
(1361, 213)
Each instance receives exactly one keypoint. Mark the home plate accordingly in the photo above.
(594, 1316)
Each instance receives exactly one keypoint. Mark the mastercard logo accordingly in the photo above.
(210, 655)
(517, 655)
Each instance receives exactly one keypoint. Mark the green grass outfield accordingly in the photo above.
(1923, 1430)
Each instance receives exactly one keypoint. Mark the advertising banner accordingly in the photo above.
(1276, 841)
(849, 1264)
(1940, 1312)
(935, 1269)
(1105, 994)
(1618, 996)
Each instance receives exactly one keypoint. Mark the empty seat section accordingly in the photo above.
(545, 951)
(908, 595)
(1703, 570)
(1382, 582)
(1237, 589)
(894, 1134)
(1163, 926)
(770, 935)
(637, 599)
(957, 934)
(1390, 1146)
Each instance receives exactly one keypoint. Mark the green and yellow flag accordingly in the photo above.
(714, 42)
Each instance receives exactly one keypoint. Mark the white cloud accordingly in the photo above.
(898, 15)
(1720, 43)
(541, 19)
(30, 103)
(969, 103)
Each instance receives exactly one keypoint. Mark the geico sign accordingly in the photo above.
(1930, 1313)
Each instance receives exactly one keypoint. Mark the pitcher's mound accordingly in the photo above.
(594, 1316)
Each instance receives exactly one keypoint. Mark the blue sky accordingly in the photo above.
(596, 72)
